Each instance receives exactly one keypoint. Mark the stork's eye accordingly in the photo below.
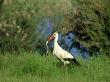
(54, 34)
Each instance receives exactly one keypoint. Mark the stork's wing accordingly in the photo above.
(68, 55)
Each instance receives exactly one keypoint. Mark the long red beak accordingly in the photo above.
(50, 38)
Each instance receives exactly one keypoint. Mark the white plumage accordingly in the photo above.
(63, 55)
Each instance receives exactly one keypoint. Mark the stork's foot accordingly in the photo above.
(61, 65)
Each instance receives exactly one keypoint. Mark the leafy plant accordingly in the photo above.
(91, 25)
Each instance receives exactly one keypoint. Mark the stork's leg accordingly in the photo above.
(63, 62)
(60, 63)
(63, 65)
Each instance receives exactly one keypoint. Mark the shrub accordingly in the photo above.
(91, 23)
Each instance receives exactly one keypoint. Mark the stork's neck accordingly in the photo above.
(55, 41)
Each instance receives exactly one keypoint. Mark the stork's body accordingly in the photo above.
(63, 55)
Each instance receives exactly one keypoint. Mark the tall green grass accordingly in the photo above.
(32, 67)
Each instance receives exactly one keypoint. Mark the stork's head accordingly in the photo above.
(50, 38)
(55, 34)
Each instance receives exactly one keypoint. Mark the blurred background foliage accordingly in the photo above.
(91, 24)
(88, 19)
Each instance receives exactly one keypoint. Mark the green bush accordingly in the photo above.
(89, 20)
(17, 24)
(91, 25)
(19, 20)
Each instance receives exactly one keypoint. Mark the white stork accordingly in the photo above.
(60, 53)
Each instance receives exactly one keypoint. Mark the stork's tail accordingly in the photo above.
(74, 61)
